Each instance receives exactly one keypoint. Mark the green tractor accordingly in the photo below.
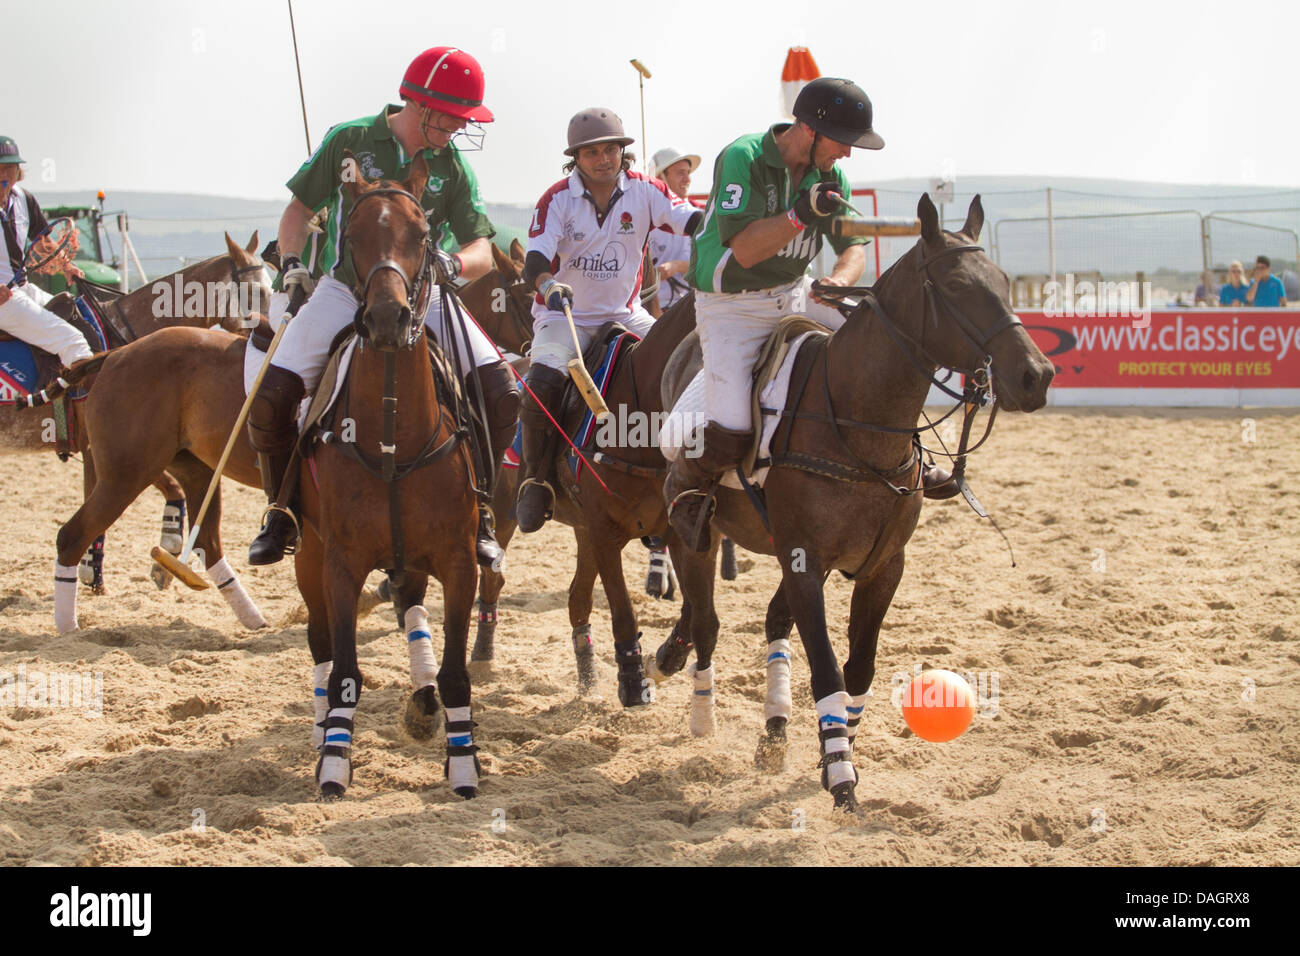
(92, 238)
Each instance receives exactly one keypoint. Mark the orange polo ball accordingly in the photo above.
(938, 705)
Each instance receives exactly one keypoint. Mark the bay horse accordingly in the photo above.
(194, 407)
(501, 301)
(411, 509)
(224, 290)
(837, 497)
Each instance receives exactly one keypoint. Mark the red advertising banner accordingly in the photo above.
(1195, 348)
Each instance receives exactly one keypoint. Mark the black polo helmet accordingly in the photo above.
(839, 110)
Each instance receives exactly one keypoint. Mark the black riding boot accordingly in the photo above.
(690, 484)
(536, 496)
(272, 432)
(501, 400)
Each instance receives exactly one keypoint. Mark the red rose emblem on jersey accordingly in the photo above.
(625, 222)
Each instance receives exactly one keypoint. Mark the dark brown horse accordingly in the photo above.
(222, 290)
(837, 497)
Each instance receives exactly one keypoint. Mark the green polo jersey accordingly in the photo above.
(451, 198)
(750, 182)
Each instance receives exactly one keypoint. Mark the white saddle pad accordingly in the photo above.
(675, 436)
(254, 357)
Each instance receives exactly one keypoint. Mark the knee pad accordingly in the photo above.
(500, 396)
(547, 383)
(272, 428)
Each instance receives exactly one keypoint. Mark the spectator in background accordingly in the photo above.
(1205, 294)
(671, 254)
(1266, 290)
(1233, 292)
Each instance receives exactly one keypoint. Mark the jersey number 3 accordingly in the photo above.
(734, 192)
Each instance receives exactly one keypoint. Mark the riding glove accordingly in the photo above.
(297, 276)
(817, 202)
(556, 294)
(447, 267)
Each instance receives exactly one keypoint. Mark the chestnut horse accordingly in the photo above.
(347, 528)
(240, 286)
(837, 497)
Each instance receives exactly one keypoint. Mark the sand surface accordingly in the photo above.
(1146, 650)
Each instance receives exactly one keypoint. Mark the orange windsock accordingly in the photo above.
(800, 67)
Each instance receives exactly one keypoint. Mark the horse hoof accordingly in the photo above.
(843, 797)
(331, 792)
(161, 577)
(420, 718)
(468, 793)
(484, 643)
(99, 590)
(769, 757)
(636, 692)
(586, 674)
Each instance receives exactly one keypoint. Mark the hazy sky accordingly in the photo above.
(201, 96)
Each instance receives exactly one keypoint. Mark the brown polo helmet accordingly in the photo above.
(596, 124)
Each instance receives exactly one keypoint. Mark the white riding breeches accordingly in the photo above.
(25, 317)
(553, 343)
(304, 349)
(733, 328)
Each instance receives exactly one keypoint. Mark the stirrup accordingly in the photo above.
(693, 523)
(292, 546)
(549, 511)
(939, 488)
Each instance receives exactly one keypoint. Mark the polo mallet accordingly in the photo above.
(843, 227)
(582, 378)
(179, 565)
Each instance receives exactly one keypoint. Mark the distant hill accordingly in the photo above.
(170, 227)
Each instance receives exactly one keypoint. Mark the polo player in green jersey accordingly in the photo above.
(442, 92)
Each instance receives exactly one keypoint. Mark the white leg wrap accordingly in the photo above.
(320, 701)
(702, 721)
(660, 568)
(778, 680)
(832, 715)
(338, 769)
(65, 598)
(228, 584)
(419, 641)
(854, 710)
(461, 769)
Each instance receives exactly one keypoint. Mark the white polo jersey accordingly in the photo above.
(600, 257)
(666, 247)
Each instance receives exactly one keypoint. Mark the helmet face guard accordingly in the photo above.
(469, 138)
(839, 110)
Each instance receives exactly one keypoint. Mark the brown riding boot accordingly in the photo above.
(536, 496)
(501, 401)
(272, 431)
(691, 481)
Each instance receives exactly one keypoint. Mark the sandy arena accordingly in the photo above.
(1146, 651)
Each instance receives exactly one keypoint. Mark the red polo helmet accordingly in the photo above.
(448, 80)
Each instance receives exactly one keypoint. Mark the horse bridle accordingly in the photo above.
(416, 287)
(977, 393)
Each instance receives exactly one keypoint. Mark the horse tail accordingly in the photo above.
(65, 381)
